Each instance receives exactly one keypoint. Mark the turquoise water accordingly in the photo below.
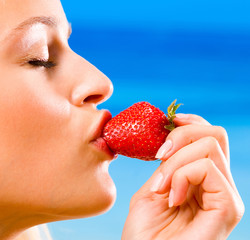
(208, 71)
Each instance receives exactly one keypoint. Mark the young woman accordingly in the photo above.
(51, 165)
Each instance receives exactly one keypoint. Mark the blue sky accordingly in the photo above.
(197, 51)
(160, 13)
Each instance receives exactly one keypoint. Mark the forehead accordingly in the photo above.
(13, 12)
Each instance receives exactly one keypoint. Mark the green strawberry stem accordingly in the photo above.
(171, 115)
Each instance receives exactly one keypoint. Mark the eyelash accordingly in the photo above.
(42, 63)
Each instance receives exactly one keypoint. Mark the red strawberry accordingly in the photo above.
(140, 130)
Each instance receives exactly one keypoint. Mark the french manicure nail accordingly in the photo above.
(166, 147)
(171, 198)
(181, 116)
(157, 182)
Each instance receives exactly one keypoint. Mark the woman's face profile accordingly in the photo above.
(50, 169)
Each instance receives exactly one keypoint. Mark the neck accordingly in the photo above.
(13, 225)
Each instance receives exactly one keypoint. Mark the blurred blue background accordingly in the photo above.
(157, 51)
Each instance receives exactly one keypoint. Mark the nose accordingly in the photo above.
(90, 84)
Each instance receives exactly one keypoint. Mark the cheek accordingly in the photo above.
(42, 141)
(30, 113)
(37, 130)
(34, 132)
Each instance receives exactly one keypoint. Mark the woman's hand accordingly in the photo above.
(192, 195)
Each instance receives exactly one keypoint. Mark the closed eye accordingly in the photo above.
(41, 63)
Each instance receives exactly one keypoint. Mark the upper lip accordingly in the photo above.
(98, 128)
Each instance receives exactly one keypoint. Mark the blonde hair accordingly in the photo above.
(40, 232)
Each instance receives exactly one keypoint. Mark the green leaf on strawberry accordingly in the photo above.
(171, 115)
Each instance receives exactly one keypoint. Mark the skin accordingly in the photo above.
(204, 202)
(51, 171)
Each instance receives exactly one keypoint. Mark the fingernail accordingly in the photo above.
(166, 147)
(171, 198)
(157, 182)
(181, 116)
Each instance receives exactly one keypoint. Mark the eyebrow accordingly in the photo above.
(48, 21)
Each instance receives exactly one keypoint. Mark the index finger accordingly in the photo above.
(185, 135)
(182, 119)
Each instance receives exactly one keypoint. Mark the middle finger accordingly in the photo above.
(207, 147)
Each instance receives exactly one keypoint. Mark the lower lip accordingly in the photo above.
(101, 144)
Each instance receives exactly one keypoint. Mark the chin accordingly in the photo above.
(105, 202)
(93, 206)
(98, 199)
(105, 195)
(88, 192)
(104, 191)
